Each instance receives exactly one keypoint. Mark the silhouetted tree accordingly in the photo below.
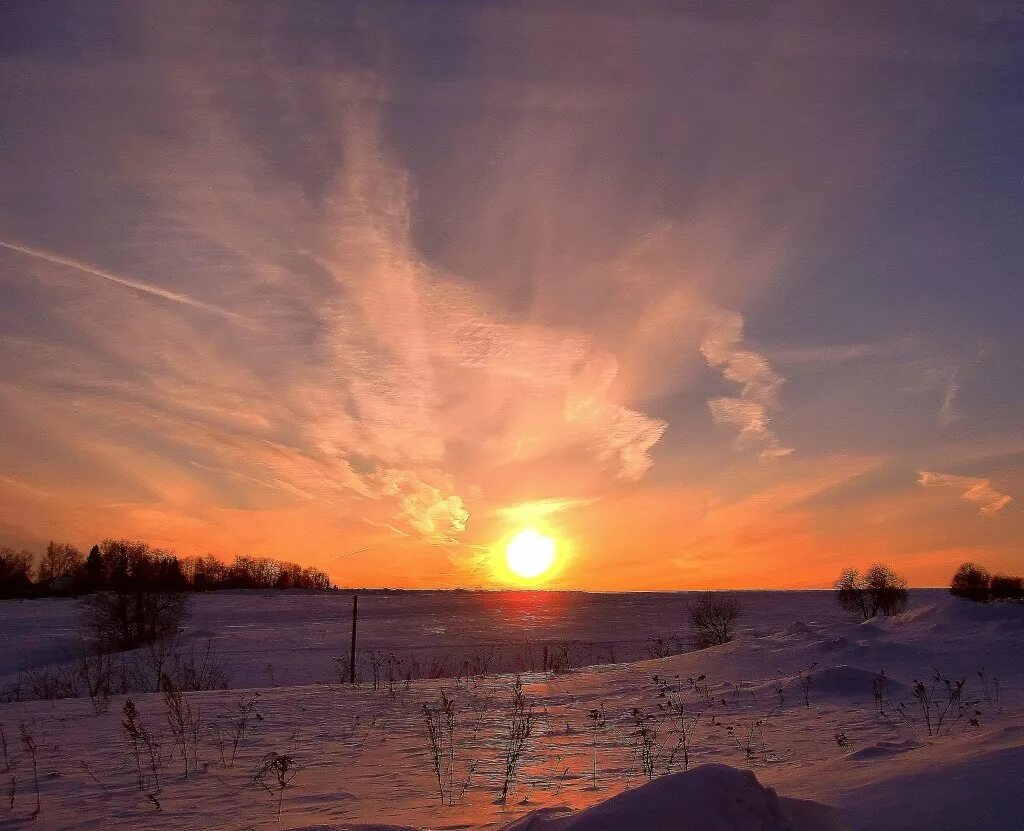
(205, 573)
(15, 572)
(93, 572)
(61, 562)
(143, 599)
(314, 578)
(1004, 587)
(878, 591)
(713, 619)
(888, 591)
(850, 593)
(972, 581)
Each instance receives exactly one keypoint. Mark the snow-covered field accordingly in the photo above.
(792, 699)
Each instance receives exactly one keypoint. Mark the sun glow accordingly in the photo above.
(530, 554)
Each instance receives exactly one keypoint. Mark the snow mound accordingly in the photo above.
(707, 798)
(797, 630)
(832, 644)
(842, 682)
(882, 749)
(869, 630)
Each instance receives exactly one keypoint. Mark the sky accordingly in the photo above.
(715, 295)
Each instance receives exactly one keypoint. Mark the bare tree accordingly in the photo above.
(713, 619)
(887, 589)
(971, 581)
(879, 590)
(144, 599)
(60, 561)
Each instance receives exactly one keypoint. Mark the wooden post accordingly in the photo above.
(352, 653)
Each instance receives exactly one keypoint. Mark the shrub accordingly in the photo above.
(971, 580)
(275, 772)
(440, 723)
(713, 619)
(1003, 587)
(878, 591)
(521, 722)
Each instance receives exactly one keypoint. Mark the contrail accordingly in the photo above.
(173, 296)
(359, 550)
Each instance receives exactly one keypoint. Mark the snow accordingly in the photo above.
(758, 757)
(707, 798)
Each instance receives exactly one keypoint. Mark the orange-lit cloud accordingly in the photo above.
(973, 489)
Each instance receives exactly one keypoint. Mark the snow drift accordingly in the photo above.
(711, 797)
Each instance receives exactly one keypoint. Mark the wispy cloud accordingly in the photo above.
(375, 381)
(759, 383)
(976, 490)
(947, 412)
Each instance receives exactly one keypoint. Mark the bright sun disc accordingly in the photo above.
(530, 554)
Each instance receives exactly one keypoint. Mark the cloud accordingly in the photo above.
(722, 349)
(439, 516)
(367, 379)
(975, 490)
(947, 413)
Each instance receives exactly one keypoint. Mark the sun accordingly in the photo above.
(529, 553)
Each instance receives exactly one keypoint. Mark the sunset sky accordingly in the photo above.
(714, 298)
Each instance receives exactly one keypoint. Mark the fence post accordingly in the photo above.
(352, 652)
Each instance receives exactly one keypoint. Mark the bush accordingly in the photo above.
(1003, 587)
(878, 591)
(713, 619)
(971, 581)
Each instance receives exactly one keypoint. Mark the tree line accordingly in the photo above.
(119, 565)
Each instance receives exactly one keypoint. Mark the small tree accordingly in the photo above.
(888, 591)
(972, 581)
(878, 591)
(850, 593)
(713, 619)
